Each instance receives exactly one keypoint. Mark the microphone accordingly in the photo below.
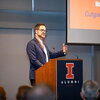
(76, 56)
(53, 49)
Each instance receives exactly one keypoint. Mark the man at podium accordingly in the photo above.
(38, 52)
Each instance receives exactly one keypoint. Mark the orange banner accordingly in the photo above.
(85, 14)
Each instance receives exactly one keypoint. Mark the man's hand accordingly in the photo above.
(64, 48)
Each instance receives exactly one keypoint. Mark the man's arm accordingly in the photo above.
(61, 53)
(56, 54)
(31, 51)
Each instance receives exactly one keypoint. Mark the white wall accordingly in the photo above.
(14, 64)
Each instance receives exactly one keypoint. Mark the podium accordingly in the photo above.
(64, 76)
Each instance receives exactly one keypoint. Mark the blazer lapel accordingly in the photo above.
(39, 45)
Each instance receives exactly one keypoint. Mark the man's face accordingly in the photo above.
(41, 32)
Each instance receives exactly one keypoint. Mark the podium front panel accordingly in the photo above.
(69, 79)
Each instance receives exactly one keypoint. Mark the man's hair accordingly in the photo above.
(41, 92)
(22, 92)
(99, 95)
(37, 27)
(2, 93)
(90, 89)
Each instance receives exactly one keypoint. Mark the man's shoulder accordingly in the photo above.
(30, 43)
(33, 41)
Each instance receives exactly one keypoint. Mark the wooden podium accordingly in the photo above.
(47, 74)
(55, 72)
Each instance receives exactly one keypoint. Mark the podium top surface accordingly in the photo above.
(65, 59)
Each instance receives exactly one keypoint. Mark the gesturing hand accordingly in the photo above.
(64, 48)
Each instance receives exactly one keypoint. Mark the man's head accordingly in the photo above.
(41, 92)
(2, 93)
(99, 95)
(40, 31)
(90, 90)
(22, 92)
